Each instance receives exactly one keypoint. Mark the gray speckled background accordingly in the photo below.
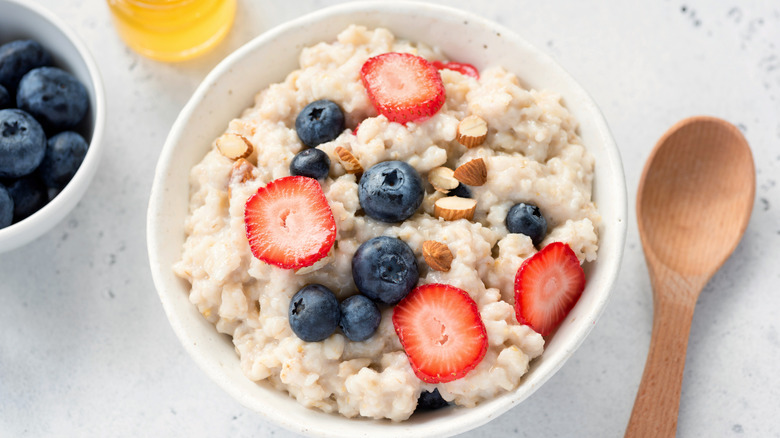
(86, 350)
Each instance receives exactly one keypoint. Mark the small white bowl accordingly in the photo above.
(230, 88)
(21, 19)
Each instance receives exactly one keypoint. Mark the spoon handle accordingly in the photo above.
(658, 400)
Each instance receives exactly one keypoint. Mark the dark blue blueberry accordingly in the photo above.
(319, 122)
(527, 219)
(6, 208)
(17, 58)
(5, 98)
(22, 143)
(390, 191)
(313, 163)
(359, 318)
(29, 195)
(54, 97)
(461, 191)
(64, 154)
(314, 313)
(384, 269)
(429, 401)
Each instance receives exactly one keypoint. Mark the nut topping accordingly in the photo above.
(242, 172)
(453, 208)
(350, 163)
(472, 173)
(437, 255)
(472, 131)
(234, 146)
(442, 179)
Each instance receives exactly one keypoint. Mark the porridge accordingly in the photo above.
(494, 187)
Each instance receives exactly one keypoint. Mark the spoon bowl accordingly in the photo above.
(693, 205)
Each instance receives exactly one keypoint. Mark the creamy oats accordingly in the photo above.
(532, 154)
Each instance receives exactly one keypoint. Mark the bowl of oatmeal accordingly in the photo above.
(503, 126)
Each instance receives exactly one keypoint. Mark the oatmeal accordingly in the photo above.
(530, 154)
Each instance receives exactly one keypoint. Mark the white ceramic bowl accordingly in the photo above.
(230, 88)
(26, 19)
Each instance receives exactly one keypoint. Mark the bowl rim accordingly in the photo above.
(40, 222)
(167, 155)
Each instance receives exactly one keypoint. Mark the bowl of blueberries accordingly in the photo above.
(52, 113)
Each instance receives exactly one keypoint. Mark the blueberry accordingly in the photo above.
(22, 143)
(29, 195)
(5, 98)
(64, 154)
(359, 318)
(319, 122)
(6, 208)
(527, 219)
(384, 269)
(313, 163)
(461, 191)
(314, 313)
(390, 191)
(54, 97)
(17, 58)
(429, 401)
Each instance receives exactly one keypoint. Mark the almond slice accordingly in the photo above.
(472, 173)
(453, 208)
(242, 172)
(234, 146)
(442, 179)
(437, 255)
(472, 131)
(350, 163)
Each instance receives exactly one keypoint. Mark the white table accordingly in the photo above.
(86, 350)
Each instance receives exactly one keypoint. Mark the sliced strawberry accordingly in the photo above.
(547, 286)
(289, 222)
(460, 67)
(403, 87)
(441, 331)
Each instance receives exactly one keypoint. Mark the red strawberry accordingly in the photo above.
(289, 222)
(403, 87)
(441, 331)
(460, 67)
(547, 286)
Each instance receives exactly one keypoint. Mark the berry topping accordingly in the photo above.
(460, 67)
(360, 318)
(289, 222)
(22, 143)
(391, 191)
(313, 163)
(6, 208)
(17, 58)
(384, 269)
(429, 401)
(527, 219)
(547, 286)
(461, 191)
(403, 87)
(319, 122)
(441, 331)
(54, 97)
(64, 154)
(314, 313)
(29, 195)
(5, 98)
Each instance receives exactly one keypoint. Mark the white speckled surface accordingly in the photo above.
(85, 349)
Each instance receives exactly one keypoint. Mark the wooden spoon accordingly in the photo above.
(692, 207)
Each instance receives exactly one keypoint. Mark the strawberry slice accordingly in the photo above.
(441, 331)
(547, 286)
(460, 67)
(403, 87)
(289, 223)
